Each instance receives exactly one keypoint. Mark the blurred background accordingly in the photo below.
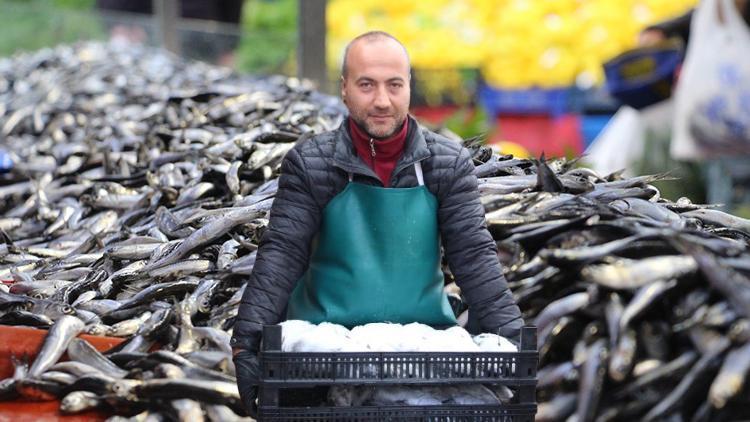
(527, 74)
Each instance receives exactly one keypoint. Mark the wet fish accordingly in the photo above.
(80, 401)
(634, 274)
(80, 350)
(731, 378)
(592, 381)
(55, 343)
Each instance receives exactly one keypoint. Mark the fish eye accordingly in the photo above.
(67, 309)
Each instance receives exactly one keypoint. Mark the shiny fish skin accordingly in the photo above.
(79, 401)
(55, 343)
(731, 378)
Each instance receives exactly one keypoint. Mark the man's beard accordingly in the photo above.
(365, 128)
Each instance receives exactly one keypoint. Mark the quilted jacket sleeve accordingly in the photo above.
(472, 254)
(283, 254)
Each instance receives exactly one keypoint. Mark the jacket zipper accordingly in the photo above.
(372, 152)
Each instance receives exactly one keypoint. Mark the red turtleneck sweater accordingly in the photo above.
(386, 151)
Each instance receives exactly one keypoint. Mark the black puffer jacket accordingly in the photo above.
(317, 169)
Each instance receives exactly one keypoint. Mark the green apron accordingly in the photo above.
(376, 259)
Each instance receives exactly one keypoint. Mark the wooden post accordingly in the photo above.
(311, 42)
(166, 14)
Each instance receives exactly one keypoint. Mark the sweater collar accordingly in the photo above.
(388, 148)
(345, 156)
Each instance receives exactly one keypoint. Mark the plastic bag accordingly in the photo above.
(619, 144)
(712, 97)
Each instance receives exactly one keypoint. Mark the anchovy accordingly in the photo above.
(641, 207)
(588, 253)
(168, 224)
(632, 275)
(232, 177)
(132, 252)
(188, 266)
(644, 298)
(22, 317)
(550, 376)
(132, 270)
(80, 401)
(99, 306)
(731, 378)
(188, 410)
(227, 254)
(62, 378)
(734, 286)
(83, 298)
(189, 195)
(623, 355)
(55, 343)
(80, 350)
(720, 218)
(212, 359)
(128, 327)
(561, 307)
(79, 369)
(216, 392)
(557, 409)
(547, 180)
(206, 234)
(218, 338)
(592, 381)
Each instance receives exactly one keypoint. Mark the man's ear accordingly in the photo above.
(343, 90)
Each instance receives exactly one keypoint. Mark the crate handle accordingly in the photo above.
(271, 337)
(528, 338)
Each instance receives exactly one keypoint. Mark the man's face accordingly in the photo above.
(376, 87)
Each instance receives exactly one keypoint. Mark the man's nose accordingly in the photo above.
(381, 98)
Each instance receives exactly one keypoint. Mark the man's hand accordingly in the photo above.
(248, 378)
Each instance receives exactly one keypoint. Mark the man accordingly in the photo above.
(359, 216)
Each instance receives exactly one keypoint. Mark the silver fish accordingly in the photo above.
(55, 343)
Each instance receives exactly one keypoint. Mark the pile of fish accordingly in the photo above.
(642, 305)
(141, 188)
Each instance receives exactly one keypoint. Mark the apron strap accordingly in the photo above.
(418, 171)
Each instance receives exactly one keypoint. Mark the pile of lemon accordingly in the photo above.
(515, 43)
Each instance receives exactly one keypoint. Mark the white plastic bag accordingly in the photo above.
(620, 143)
(712, 97)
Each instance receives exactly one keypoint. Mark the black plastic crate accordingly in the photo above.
(293, 369)
(293, 372)
(455, 413)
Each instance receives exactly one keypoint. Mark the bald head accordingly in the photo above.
(370, 37)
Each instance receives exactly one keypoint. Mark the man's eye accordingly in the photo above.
(365, 85)
(396, 85)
